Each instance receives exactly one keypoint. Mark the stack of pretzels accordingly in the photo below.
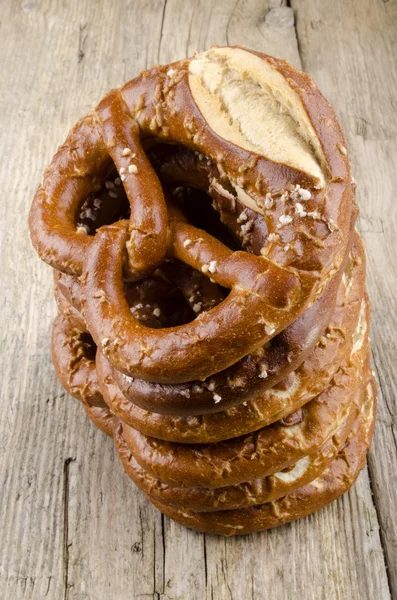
(211, 289)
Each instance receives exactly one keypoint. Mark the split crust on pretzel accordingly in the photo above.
(262, 452)
(337, 478)
(197, 103)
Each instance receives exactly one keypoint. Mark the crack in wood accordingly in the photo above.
(82, 41)
(48, 585)
(66, 544)
(142, 530)
(384, 397)
(161, 29)
(205, 560)
(163, 542)
(380, 528)
(229, 21)
(294, 9)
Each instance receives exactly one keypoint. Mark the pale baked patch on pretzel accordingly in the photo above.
(246, 101)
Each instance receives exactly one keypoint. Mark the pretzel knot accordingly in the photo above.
(109, 212)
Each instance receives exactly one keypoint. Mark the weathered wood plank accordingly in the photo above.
(72, 524)
(351, 53)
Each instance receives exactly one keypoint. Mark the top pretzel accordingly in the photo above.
(256, 135)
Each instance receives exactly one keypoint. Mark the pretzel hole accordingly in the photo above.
(157, 303)
(197, 206)
(88, 345)
(232, 222)
(105, 206)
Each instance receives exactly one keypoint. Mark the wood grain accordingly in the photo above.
(72, 525)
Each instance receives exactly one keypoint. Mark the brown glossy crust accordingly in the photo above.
(308, 380)
(244, 379)
(337, 478)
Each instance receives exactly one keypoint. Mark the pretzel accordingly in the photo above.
(261, 453)
(331, 484)
(234, 385)
(251, 493)
(267, 292)
(287, 350)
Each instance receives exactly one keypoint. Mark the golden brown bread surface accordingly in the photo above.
(211, 289)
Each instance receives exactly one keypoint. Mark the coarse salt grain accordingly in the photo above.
(304, 194)
(300, 210)
(126, 152)
(217, 398)
(269, 201)
(332, 226)
(273, 237)
(133, 169)
(212, 266)
(197, 307)
(157, 312)
(204, 268)
(285, 219)
(262, 372)
(187, 243)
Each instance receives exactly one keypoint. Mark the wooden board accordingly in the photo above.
(72, 525)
